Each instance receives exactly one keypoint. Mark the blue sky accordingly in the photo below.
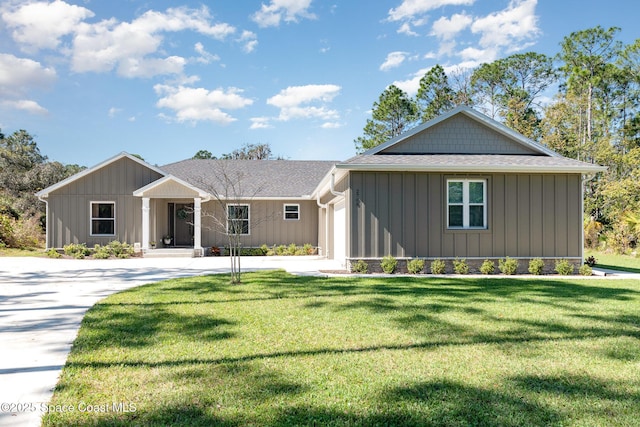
(165, 79)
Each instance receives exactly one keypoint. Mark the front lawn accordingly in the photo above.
(286, 350)
(628, 263)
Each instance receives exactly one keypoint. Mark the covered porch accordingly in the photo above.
(171, 218)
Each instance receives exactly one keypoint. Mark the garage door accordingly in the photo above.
(339, 232)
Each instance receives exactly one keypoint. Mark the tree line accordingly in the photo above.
(23, 172)
(582, 102)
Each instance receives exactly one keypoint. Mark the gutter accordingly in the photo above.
(471, 168)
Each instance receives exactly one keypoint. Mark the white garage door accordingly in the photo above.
(339, 232)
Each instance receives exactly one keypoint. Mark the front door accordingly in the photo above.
(183, 231)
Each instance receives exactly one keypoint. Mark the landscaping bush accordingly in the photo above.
(120, 249)
(564, 267)
(415, 266)
(76, 250)
(487, 267)
(360, 267)
(437, 266)
(389, 264)
(308, 249)
(52, 253)
(508, 266)
(585, 270)
(460, 266)
(536, 266)
(280, 250)
(101, 252)
(292, 249)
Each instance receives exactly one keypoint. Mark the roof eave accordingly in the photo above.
(473, 169)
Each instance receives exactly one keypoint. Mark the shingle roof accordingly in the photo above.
(256, 178)
(469, 163)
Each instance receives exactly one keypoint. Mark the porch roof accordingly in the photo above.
(171, 187)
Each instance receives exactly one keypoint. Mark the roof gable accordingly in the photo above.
(100, 166)
(170, 187)
(461, 131)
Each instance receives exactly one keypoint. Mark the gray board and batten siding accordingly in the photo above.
(69, 206)
(404, 214)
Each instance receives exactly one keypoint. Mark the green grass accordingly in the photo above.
(616, 262)
(286, 350)
(30, 252)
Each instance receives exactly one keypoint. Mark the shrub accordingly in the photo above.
(415, 266)
(460, 266)
(76, 250)
(6, 229)
(280, 250)
(52, 253)
(508, 266)
(437, 266)
(360, 267)
(308, 249)
(536, 265)
(564, 267)
(265, 249)
(487, 267)
(591, 261)
(291, 250)
(101, 252)
(389, 264)
(585, 270)
(120, 249)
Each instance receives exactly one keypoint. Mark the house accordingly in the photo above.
(461, 185)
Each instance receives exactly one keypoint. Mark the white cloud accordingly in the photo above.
(20, 74)
(516, 23)
(271, 14)
(205, 57)
(293, 102)
(394, 59)
(446, 28)
(409, 9)
(41, 24)
(113, 111)
(25, 105)
(405, 29)
(331, 125)
(199, 104)
(250, 41)
(411, 86)
(260, 123)
(126, 46)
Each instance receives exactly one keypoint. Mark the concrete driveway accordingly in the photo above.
(42, 302)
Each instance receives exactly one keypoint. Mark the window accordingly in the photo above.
(292, 212)
(466, 203)
(237, 219)
(103, 218)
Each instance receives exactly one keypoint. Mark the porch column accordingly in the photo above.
(145, 224)
(197, 223)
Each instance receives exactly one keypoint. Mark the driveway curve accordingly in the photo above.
(43, 301)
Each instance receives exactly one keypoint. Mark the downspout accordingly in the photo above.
(46, 221)
(332, 184)
(326, 225)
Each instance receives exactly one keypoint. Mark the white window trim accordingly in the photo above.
(284, 211)
(248, 217)
(91, 218)
(466, 204)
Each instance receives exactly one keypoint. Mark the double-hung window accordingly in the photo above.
(291, 212)
(103, 218)
(466, 203)
(237, 219)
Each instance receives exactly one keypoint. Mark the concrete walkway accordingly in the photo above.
(43, 301)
